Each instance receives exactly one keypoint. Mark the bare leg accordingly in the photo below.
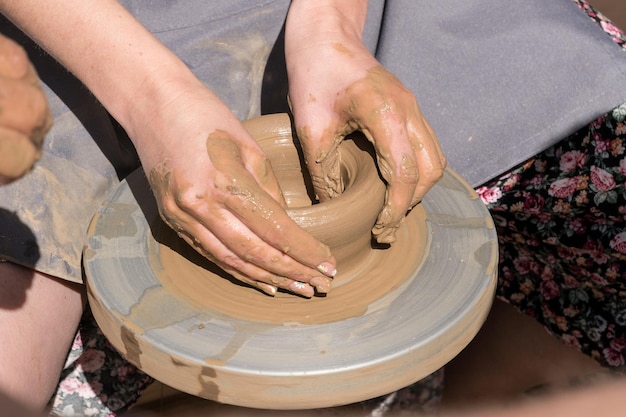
(511, 354)
(12, 408)
(39, 316)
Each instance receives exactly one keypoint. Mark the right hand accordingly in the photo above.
(355, 93)
(24, 114)
(216, 189)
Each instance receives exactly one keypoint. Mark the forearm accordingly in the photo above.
(121, 63)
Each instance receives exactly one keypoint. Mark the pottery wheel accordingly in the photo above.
(404, 313)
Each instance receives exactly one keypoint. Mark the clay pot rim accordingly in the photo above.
(360, 181)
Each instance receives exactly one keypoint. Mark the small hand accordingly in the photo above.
(24, 115)
(337, 87)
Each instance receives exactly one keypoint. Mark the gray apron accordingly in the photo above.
(499, 80)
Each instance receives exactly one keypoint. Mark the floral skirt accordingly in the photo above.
(561, 223)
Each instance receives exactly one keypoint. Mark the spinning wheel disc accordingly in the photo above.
(420, 304)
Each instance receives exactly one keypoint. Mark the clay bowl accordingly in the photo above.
(343, 223)
(394, 316)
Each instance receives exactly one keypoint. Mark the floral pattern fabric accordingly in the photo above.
(561, 223)
(96, 381)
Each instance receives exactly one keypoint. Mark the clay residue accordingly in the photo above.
(342, 48)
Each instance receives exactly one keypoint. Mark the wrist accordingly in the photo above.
(144, 102)
(324, 21)
(155, 116)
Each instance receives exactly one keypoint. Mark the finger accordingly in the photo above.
(241, 250)
(17, 155)
(396, 161)
(322, 159)
(14, 62)
(430, 159)
(23, 107)
(210, 246)
(260, 213)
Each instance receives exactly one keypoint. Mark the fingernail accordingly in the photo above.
(267, 288)
(327, 269)
(301, 288)
(321, 284)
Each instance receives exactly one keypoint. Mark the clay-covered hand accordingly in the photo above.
(215, 187)
(336, 87)
(24, 115)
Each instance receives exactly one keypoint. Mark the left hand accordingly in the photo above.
(336, 87)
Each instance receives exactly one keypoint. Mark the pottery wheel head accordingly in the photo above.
(395, 314)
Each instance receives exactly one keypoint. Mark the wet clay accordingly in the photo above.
(395, 315)
(366, 274)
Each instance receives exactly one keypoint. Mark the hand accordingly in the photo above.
(216, 188)
(24, 115)
(336, 87)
